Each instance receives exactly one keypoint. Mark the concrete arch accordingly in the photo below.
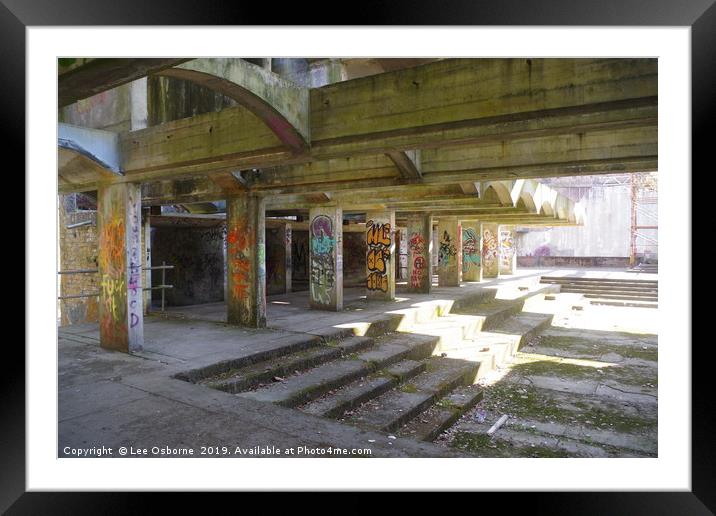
(546, 209)
(501, 190)
(280, 104)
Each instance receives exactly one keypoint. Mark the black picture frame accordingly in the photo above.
(700, 15)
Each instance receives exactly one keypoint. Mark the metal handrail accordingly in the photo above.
(163, 267)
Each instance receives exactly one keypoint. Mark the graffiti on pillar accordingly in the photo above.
(238, 252)
(470, 249)
(489, 252)
(446, 251)
(112, 263)
(507, 250)
(378, 238)
(418, 267)
(135, 263)
(323, 273)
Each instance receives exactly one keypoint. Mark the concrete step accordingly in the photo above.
(574, 287)
(393, 409)
(335, 404)
(248, 377)
(599, 281)
(625, 297)
(616, 302)
(310, 385)
(280, 347)
(441, 416)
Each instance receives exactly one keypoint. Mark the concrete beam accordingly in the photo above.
(407, 163)
(93, 76)
(280, 104)
(433, 105)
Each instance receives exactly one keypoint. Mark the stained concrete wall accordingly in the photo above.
(198, 258)
(606, 232)
(299, 260)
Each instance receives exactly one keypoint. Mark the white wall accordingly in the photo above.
(607, 230)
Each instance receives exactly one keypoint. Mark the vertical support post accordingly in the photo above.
(164, 281)
(508, 256)
(381, 257)
(325, 234)
(289, 259)
(420, 248)
(490, 250)
(471, 251)
(147, 234)
(449, 257)
(120, 258)
(246, 261)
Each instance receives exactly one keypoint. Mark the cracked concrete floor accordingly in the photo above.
(585, 387)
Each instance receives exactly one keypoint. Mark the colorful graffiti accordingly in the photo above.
(507, 251)
(239, 242)
(446, 251)
(470, 249)
(489, 252)
(379, 240)
(323, 273)
(418, 269)
(112, 268)
(135, 293)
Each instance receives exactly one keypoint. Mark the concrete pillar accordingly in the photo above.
(381, 258)
(508, 256)
(120, 259)
(278, 258)
(147, 277)
(325, 233)
(490, 250)
(449, 257)
(471, 251)
(246, 261)
(420, 263)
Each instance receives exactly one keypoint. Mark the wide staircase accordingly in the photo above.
(609, 291)
(412, 373)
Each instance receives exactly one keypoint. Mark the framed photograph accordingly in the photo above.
(431, 242)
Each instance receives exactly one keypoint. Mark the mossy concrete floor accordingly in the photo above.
(585, 387)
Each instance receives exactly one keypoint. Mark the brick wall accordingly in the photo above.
(78, 250)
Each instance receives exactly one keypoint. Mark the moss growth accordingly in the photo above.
(408, 387)
(531, 403)
(593, 348)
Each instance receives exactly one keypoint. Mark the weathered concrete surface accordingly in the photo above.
(471, 251)
(120, 258)
(449, 248)
(114, 399)
(490, 250)
(420, 249)
(246, 261)
(508, 254)
(381, 257)
(326, 258)
(585, 387)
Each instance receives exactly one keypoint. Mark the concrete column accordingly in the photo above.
(325, 233)
(449, 257)
(471, 251)
(490, 250)
(381, 257)
(420, 263)
(278, 258)
(147, 277)
(508, 256)
(246, 261)
(120, 259)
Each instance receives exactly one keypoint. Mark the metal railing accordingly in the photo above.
(163, 267)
